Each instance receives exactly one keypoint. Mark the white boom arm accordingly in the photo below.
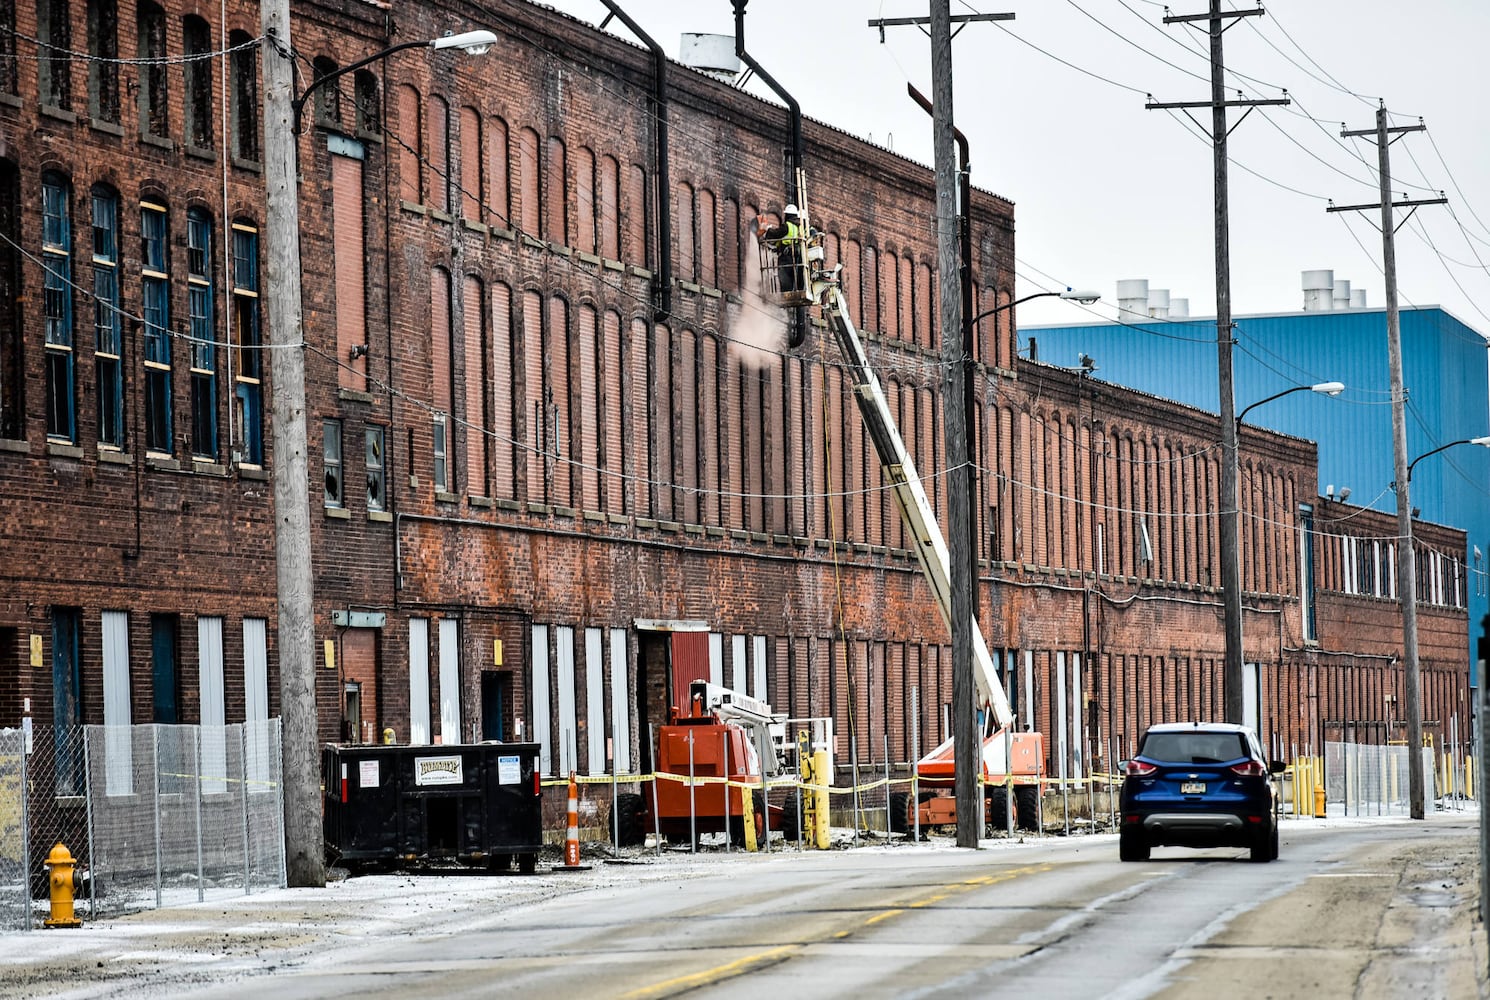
(915, 508)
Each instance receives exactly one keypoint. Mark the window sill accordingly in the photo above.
(367, 136)
(199, 153)
(10, 100)
(380, 516)
(160, 460)
(113, 456)
(255, 472)
(338, 513)
(409, 206)
(61, 114)
(251, 165)
(354, 396)
(107, 127)
(442, 497)
(158, 141)
(208, 468)
(58, 449)
(15, 445)
(440, 216)
(483, 502)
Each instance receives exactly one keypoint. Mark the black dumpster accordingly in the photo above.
(390, 806)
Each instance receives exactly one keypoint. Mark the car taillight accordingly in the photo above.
(1249, 769)
(1139, 769)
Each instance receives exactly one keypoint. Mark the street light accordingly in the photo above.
(1324, 388)
(1234, 667)
(294, 582)
(1408, 584)
(1084, 298)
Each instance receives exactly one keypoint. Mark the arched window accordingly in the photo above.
(555, 194)
(56, 255)
(155, 298)
(107, 342)
(196, 40)
(369, 103)
(473, 306)
(54, 28)
(202, 319)
(328, 96)
(498, 197)
(245, 96)
(248, 362)
(12, 378)
(441, 334)
(7, 46)
(438, 152)
(410, 146)
(472, 191)
(155, 119)
(103, 68)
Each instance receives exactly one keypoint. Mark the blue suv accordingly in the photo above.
(1201, 784)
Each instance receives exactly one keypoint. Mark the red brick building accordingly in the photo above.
(564, 446)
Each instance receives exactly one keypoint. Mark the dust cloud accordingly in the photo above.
(757, 326)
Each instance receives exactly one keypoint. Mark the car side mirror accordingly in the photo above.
(1277, 767)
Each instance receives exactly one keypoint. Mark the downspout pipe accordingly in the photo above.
(662, 280)
(798, 330)
(798, 150)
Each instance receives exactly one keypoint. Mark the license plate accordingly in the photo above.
(1193, 788)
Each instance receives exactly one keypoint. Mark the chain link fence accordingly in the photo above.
(1372, 780)
(153, 815)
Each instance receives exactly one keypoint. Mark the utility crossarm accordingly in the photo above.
(915, 508)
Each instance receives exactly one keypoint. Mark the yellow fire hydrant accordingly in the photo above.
(1319, 811)
(388, 737)
(61, 866)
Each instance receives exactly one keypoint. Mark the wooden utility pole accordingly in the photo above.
(968, 750)
(952, 286)
(1407, 573)
(1231, 564)
(304, 846)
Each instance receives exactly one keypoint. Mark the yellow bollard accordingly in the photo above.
(1319, 812)
(60, 868)
(747, 819)
(388, 736)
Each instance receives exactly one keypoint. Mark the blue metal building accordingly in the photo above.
(1448, 399)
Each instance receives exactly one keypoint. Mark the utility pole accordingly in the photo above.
(304, 858)
(1231, 564)
(1407, 576)
(968, 747)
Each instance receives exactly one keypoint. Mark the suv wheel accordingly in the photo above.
(1132, 846)
(1265, 847)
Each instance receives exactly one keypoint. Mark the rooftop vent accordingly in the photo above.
(713, 55)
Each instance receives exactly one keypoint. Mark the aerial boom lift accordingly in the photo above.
(1004, 751)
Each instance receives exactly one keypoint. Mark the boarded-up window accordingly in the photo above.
(684, 258)
(591, 388)
(930, 297)
(440, 351)
(688, 425)
(556, 194)
(752, 438)
(474, 307)
(889, 276)
(708, 260)
(851, 286)
(559, 395)
(498, 198)
(536, 431)
(473, 192)
(636, 208)
(607, 184)
(640, 423)
(584, 199)
(527, 209)
(907, 300)
(708, 416)
(503, 393)
(730, 276)
(438, 145)
(870, 289)
(350, 266)
(411, 145)
(612, 485)
(661, 386)
(820, 479)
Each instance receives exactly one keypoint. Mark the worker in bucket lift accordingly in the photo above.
(786, 239)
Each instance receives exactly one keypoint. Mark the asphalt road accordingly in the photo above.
(1380, 909)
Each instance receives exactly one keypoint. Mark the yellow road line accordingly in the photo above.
(714, 975)
(749, 962)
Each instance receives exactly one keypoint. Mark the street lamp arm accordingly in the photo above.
(473, 42)
(1085, 298)
(1483, 442)
(1327, 388)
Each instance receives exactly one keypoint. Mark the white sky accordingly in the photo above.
(1106, 190)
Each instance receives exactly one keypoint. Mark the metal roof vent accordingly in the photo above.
(1179, 308)
(1158, 303)
(1133, 300)
(713, 55)
(1319, 291)
(1341, 294)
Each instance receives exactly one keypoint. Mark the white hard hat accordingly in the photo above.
(790, 209)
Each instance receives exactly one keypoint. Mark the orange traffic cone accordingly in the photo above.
(571, 835)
